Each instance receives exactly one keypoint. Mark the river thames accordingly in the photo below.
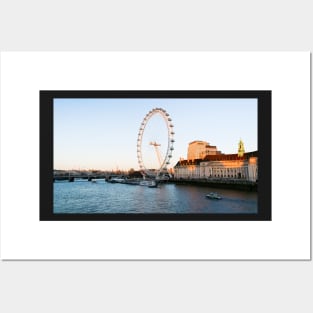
(83, 197)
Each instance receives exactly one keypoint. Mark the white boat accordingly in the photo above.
(213, 195)
(148, 183)
(116, 180)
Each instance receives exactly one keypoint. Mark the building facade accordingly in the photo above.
(219, 166)
(199, 149)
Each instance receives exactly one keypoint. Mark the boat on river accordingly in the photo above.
(116, 180)
(151, 183)
(148, 183)
(214, 196)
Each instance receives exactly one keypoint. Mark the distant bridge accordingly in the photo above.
(71, 176)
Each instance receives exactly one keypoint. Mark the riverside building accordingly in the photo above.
(199, 149)
(206, 162)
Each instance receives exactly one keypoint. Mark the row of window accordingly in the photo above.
(215, 170)
(237, 175)
(226, 171)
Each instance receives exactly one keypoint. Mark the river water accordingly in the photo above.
(102, 197)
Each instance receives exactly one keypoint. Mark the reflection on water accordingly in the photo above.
(103, 197)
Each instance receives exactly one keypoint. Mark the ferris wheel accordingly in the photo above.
(163, 162)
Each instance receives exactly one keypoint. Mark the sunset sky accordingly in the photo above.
(102, 133)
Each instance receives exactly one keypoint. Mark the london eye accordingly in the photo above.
(163, 162)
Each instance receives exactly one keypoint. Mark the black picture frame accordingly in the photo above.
(264, 100)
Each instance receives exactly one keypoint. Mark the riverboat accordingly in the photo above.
(148, 183)
(116, 180)
(214, 196)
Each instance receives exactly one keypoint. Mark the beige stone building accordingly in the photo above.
(223, 166)
(206, 162)
(199, 149)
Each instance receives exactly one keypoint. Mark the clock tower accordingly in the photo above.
(241, 149)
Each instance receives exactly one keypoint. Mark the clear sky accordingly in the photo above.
(102, 133)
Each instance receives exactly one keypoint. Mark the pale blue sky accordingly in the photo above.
(102, 133)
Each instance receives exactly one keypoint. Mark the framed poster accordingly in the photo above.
(122, 142)
(34, 83)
